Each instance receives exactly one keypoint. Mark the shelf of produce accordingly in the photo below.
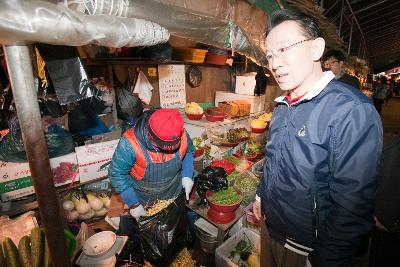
(27, 203)
(222, 228)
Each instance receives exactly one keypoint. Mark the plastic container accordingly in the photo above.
(207, 235)
(226, 164)
(222, 252)
(221, 207)
(258, 130)
(215, 58)
(250, 217)
(189, 54)
(194, 117)
(214, 118)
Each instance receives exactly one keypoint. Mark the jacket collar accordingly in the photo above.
(315, 90)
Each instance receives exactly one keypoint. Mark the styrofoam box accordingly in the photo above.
(94, 159)
(257, 102)
(223, 251)
(245, 85)
(16, 179)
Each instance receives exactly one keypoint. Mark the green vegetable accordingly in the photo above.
(197, 142)
(226, 197)
(2, 260)
(24, 248)
(37, 247)
(11, 253)
(233, 159)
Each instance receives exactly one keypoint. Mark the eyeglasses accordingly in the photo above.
(282, 52)
(328, 64)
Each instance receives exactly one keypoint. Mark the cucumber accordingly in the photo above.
(24, 248)
(47, 259)
(11, 253)
(37, 247)
(2, 260)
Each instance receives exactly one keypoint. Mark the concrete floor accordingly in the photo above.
(391, 118)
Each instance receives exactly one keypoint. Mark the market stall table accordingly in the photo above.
(222, 228)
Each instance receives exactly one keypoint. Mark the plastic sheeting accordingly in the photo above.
(189, 24)
(38, 21)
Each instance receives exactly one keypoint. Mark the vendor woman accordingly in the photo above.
(153, 161)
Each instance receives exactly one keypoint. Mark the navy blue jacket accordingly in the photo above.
(320, 175)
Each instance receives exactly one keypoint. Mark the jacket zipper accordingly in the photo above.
(314, 216)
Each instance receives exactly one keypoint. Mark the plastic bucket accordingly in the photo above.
(208, 242)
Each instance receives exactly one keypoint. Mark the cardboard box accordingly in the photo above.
(235, 108)
(94, 159)
(16, 179)
(245, 85)
(257, 102)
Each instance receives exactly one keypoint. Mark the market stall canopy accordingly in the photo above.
(46, 22)
(39, 21)
(370, 29)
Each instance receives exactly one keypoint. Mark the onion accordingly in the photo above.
(72, 215)
(87, 215)
(68, 205)
(81, 205)
(102, 212)
(94, 202)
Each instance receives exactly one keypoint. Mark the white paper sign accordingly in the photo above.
(171, 80)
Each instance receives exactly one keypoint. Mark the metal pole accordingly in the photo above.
(341, 18)
(19, 65)
(351, 35)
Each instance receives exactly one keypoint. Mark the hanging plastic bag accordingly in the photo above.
(66, 72)
(128, 105)
(163, 235)
(143, 88)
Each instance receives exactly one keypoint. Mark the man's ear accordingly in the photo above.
(318, 48)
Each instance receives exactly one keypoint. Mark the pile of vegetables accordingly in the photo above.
(158, 206)
(84, 206)
(193, 108)
(198, 142)
(243, 254)
(226, 197)
(32, 251)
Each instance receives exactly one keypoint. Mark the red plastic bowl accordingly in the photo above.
(221, 207)
(223, 163)
(251, 157)
(194, 117)
(220, 217)
(213, 118)
(258, 130)
(198, 152)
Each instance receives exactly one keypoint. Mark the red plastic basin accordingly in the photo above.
(223, 163)
(194, 117)
(221, 207)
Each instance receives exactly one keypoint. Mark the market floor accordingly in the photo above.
(391, 118)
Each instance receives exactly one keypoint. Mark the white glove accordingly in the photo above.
(187, 184)
(137, 212)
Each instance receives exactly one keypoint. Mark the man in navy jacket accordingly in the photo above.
(322, 157)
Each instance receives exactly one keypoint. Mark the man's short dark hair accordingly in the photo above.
(307, 23)
(336, 54)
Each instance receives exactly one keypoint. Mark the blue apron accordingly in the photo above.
(161, 180)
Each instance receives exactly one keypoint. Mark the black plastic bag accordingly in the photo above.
(66, 72)
(211, 172)
(128, 104)
(163, 235)
(213, 179)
